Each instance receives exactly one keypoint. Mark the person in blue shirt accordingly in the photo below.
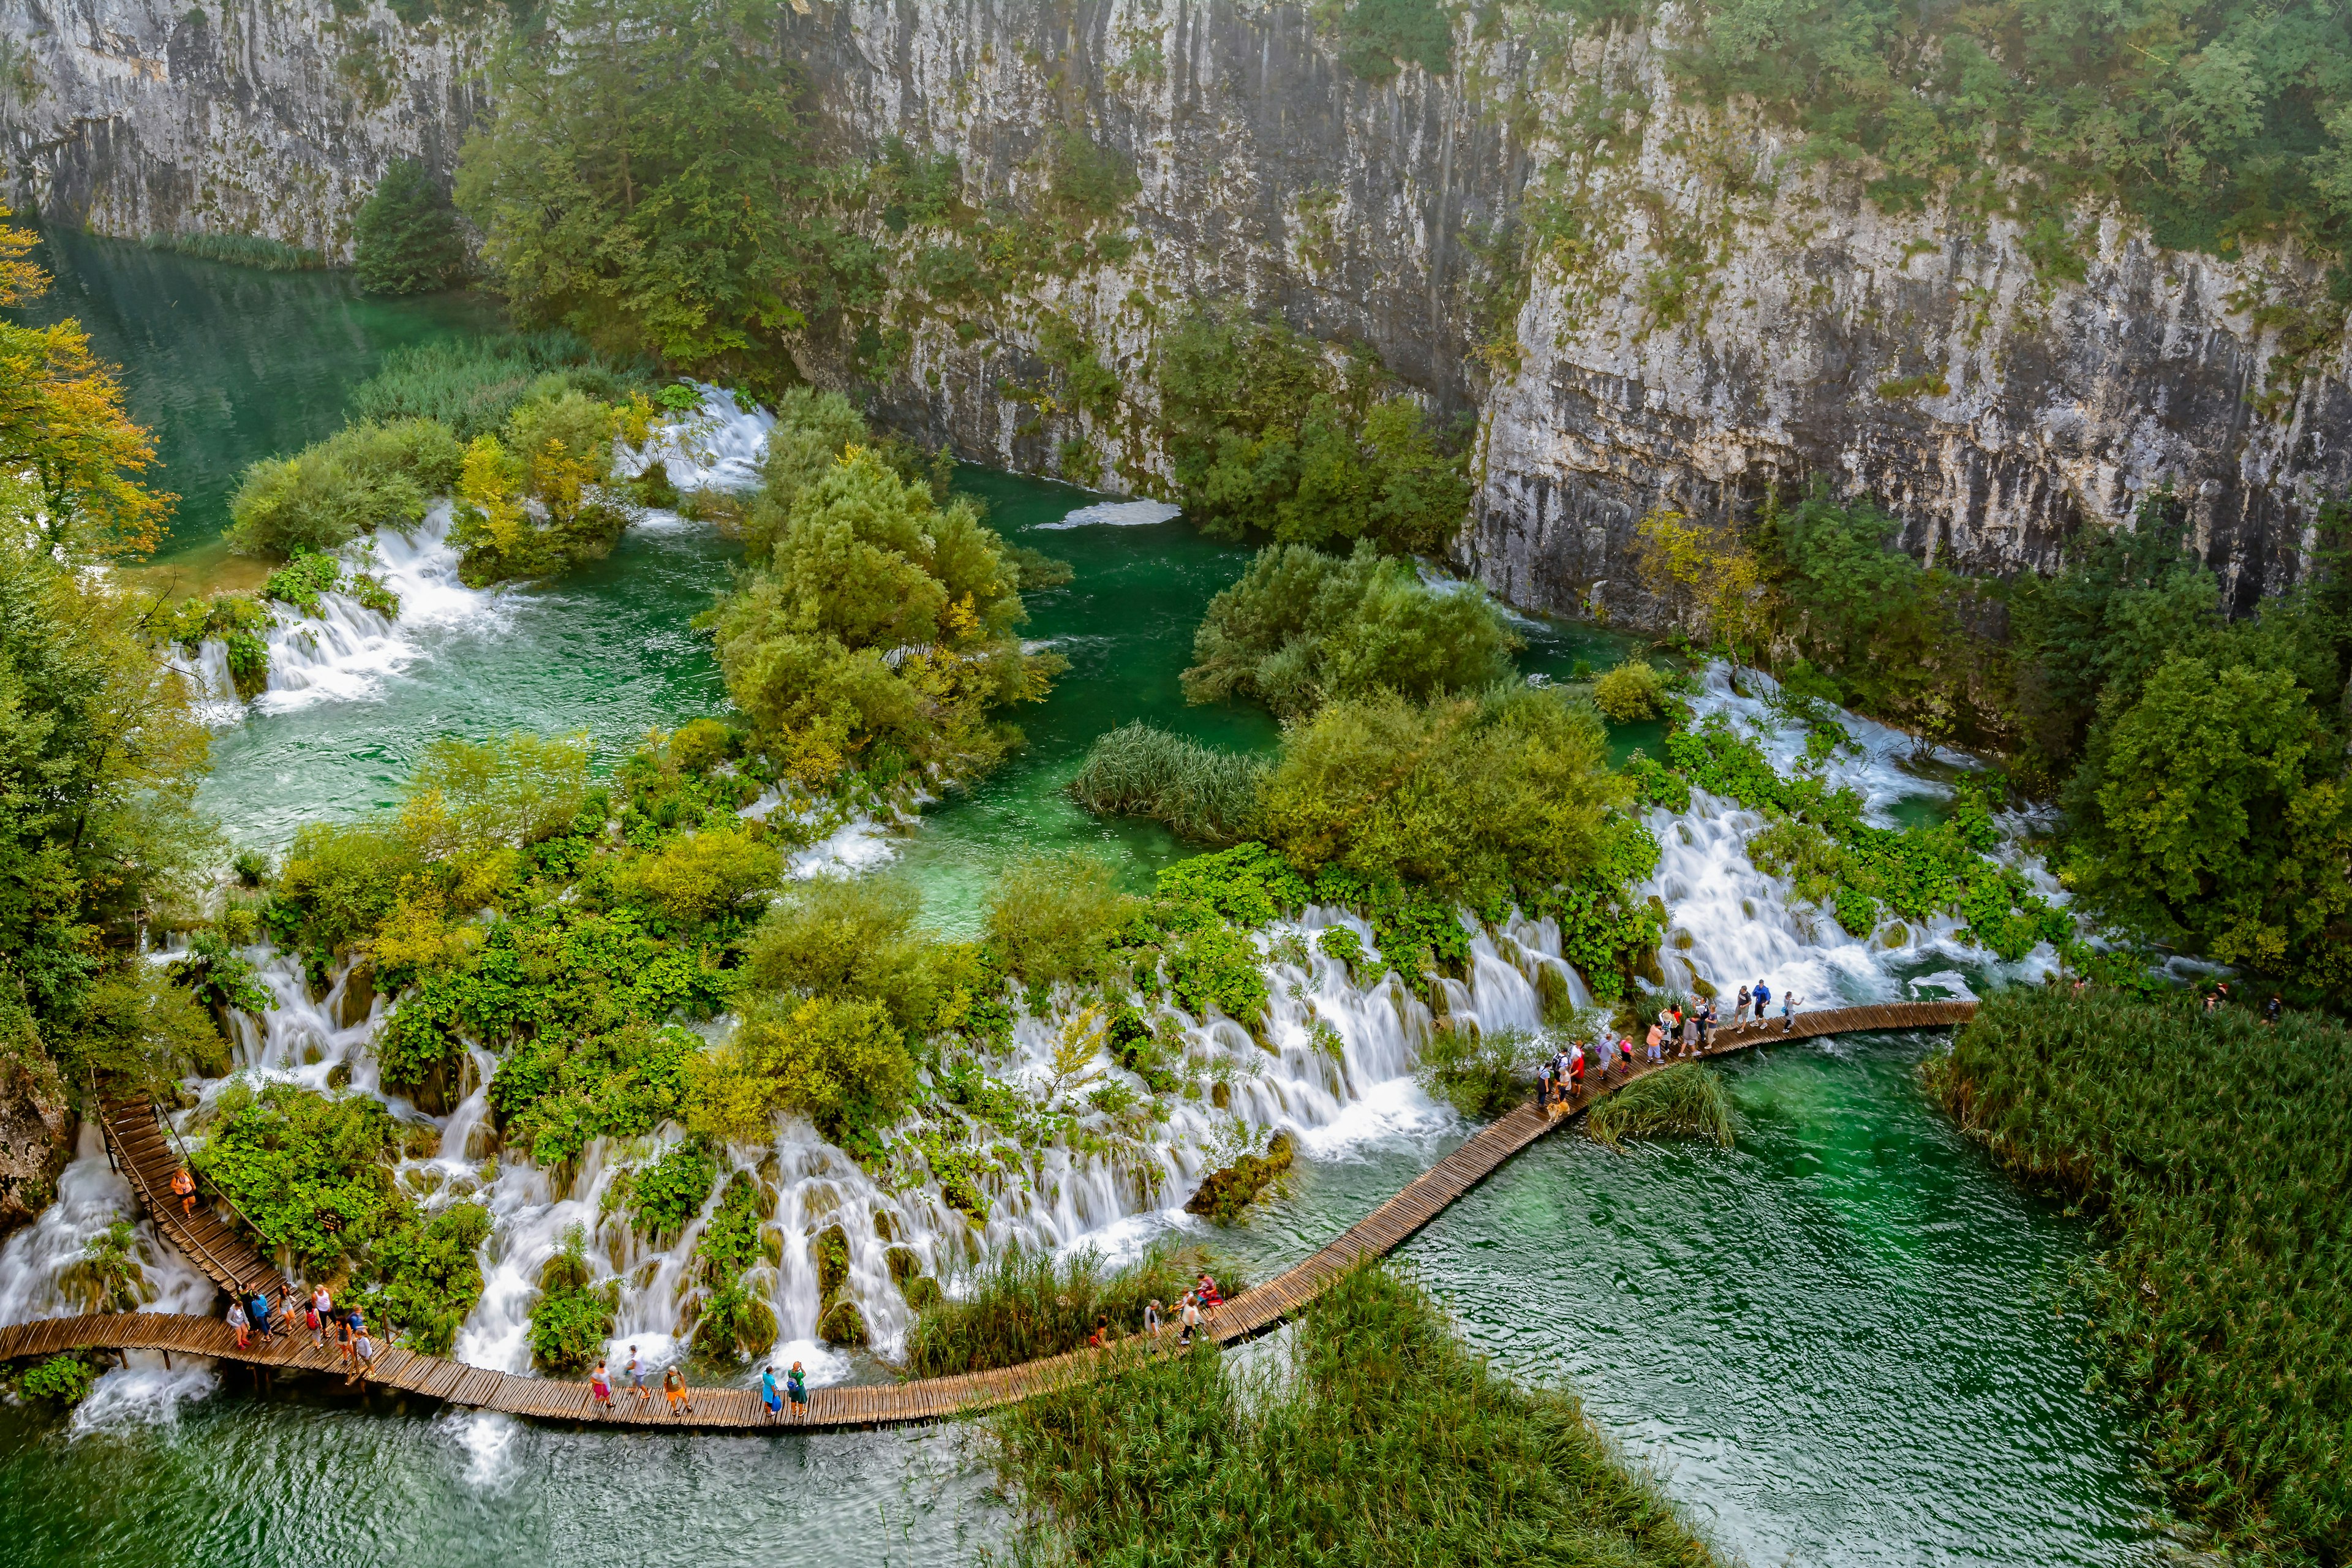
(770, 1396)
(1763, 999)
(259, 1311)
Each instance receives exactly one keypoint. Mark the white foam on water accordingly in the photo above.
(145, 1392)
(1116, 514)
(716, 447)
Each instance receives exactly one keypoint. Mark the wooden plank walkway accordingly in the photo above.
(143, 1150)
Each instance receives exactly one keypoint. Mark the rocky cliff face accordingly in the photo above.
(263, 117)
(37, 1137)
(1679, 317)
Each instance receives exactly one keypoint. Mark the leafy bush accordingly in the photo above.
(1217, 965)
(732, 1321)
(665, 1196)
(1266, 435)
(108, 1276)
(884, 623)
(1480, 1073)
(1248, 885)
(63, 1381)
(1022, 1305)
(1628, 693)
(217, 975)
(423, 1279)
(535, 503)
(312, 1172)
(1301, 627)
(699, 878)
(1342, 943)
(2211, 1148)
(407, 234)
(572, 1315)
(1225, 1195)
(364, 477)
(1362, 1454)
(1476, 799)
(339, 883)
(812, 430)
(554, 1094)
(1378, 36)
(470, 798)
(1683, 1099)
(1056, 917)
(1205, 794)
(842, 1064)
(853, 937)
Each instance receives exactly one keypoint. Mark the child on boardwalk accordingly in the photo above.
(364, 1352)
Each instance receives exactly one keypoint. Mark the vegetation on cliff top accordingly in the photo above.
(2211, 1149)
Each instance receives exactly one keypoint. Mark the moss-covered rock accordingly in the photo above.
(1227, 1193)
(832, 1250)
(842, 1324)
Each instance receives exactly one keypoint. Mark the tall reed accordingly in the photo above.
(1381, 1440)
(1024, 1305)
(240, 250)
(1207, 795)
(1684, 1100)
(2218, 1154)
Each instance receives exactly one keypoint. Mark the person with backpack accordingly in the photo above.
(259, 1311)
(673, 1389)
(796, 1389)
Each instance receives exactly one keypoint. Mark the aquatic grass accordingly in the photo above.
(1684, 1100)
(240, 250)
(1382, 1440)
(2214, 1150)
(1024, 1305)
(474, 384)
(1207, 796)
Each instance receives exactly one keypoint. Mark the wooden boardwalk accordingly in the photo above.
(149, 1158)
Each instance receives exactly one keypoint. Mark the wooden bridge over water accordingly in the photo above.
(145, 1151)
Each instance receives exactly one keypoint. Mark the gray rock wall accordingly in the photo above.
(1700, 320)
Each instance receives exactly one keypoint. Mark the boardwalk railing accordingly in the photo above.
(224, 1257)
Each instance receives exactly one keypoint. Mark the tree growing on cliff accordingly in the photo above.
(646, 181)
(408, 237)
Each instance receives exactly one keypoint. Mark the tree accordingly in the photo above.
(68, 448)
(646, 181)
(1706, 578)
(408, 237)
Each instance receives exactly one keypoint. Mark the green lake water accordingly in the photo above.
(1837, 1341)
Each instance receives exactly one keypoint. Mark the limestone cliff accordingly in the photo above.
(1640, 302)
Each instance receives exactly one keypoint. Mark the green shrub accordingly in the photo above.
(666, 1195)
(1301, 627)
(842, 1064)
(1022, 1305)
(469, 798)
(1265, 435)
(853, 937)
(423, 1279)
(554, 1094)
(364, 477)
(1225, 1195)
(312, 1172)
(62, 1381)
(217, 975)
(1056, 917)
(339, 883)
(1248, 885)
(572, 1317)
(1137, 770)
(407, 234)
(1217, 965)
(1481, 1073)
(1628, 693)
(731, 1322)
(1340, 942)
(535, 503)
(1378, 36)
(2212, 1150)
(1363, 1453)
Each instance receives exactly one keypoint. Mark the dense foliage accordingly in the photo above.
(1267, 434)
(364, 477)
(572, 1315)
(474, 383)
(536, 500)
(1301, 627)
(2216, 122)
(646, 182)
(1021, 1306)
(2212, 1148)
(407, 234)
(1480, 1072)
(1386, 1443)
(875, 632)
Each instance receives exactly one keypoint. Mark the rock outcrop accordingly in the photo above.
(37, 1129)
(1642, 302)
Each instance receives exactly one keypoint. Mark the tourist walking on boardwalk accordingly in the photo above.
(1740, 1014)
(769, 1394)
(318, 1325)
(237, 1323)
(1763, 999)
(1789, 1001)
(637, 1374)
(364, 1354)
(1152, 1318)
(1543, 1081)
(600, 1389)
(345, 1327)
(1706, 1025)
(1625, 1054)
(324, 1303)
(1190, 1323)
(796, 1388)
(673, 1389)
(259, 1309)
(1657, 1043)
(184, 1185)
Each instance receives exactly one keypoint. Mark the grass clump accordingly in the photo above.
(1207, 796)
(474, 384)
(1302, 627)
(1386, 1442)
(1684, 1100)
(1024, 1306)
(2212, 1148)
